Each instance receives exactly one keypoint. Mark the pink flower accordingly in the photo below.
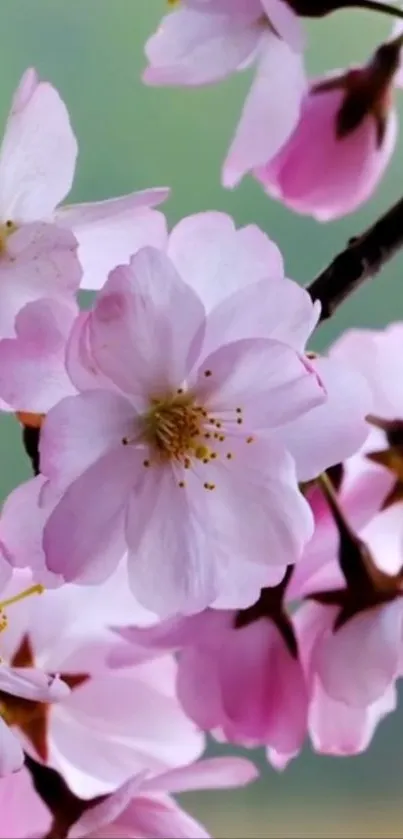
(177, 457)
(38, 260)
(113, 723)
(336, 727)
(222, 265)
(239, 672)
(204, 42)
(33, 375)
(141, 809)
(145, 809)
(21, 683)
(22, 822)
(37, 162)
(355, 639)
(351, 117)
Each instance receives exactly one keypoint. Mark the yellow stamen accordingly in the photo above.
(6, 229)
(38, 589)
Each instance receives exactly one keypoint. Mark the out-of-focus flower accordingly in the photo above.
(239, 672)
(342, 144)
(112, 724)
(37, 163)
(335, 727)
(33, 375)
(202, 42)
(21, 683)
(143, 808)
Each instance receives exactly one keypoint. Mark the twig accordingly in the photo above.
(363, 257)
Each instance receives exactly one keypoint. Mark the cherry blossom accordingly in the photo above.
(335, 727)
(112, 723)
(239, 672)
(203, 42)
(38, 260)
(143, 807)
(21, 683)
(37, 162)
(33, 375)
(350, 113)
(176, 421)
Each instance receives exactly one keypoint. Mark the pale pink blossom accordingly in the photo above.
(33, 375)
(239, 674)
(135, 467)
(113, 723)
(23, 814)
(336, 727)
(223, 264)
(353, 122)
(22, 684)
(376, 353)
(143, 808)
(356, 638)
(203, 42)
(38, 260)
(37, 162)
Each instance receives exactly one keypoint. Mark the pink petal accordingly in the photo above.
(258, 513)
(106, 812)
(374, 636)
(160, 818)
(172, 549)
(267, 379)
(41, 261)
(199, 689)
(210, 773)
(33, 376)
(216, 259)
(138, 303)
(80, 430)
(38, 153)
(362, 496)
(31, 684)
(11, 754)
(376, 355)
(110, 232)
(21, 530)
(384, 537)
(270, 704)
(243, 589)
(116, 724)
(335, 177)
(274, 100)
(343, 730)
(85, 541)
(33, 819)
(274, 308)
(195, 48)
(80, 365)
(329, 434)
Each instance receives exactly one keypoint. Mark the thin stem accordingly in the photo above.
(377, 6)
(363, 258)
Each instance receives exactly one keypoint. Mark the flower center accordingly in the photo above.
(6, 229)
(175, 427)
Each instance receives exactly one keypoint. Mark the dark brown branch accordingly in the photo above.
(362, 259)
(63, 805)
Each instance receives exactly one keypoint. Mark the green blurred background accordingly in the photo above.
(133, 137)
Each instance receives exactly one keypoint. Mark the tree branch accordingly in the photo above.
(364, 256)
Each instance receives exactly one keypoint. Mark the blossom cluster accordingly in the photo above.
(212, 540)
